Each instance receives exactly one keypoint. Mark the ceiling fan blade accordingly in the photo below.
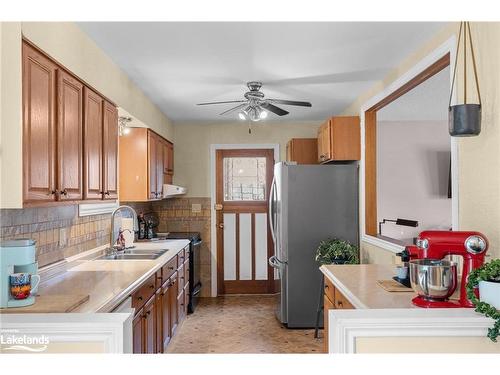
(230, 101)
(272, 108)
(290, 102)
(234, 109)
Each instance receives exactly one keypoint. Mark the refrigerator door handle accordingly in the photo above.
(270, 209)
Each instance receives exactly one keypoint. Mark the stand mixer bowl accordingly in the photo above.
(434, 279)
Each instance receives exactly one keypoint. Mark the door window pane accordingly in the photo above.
(244, 179)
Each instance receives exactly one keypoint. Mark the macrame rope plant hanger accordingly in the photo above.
(464, 119)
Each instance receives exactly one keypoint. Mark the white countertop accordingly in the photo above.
(107, 282)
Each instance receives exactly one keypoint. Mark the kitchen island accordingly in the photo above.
(147, 298)
(361, 317)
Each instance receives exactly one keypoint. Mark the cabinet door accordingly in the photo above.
(150, 326)
(165, 314)
(110, 151)
(166, 151)
(159, 167)
(170, 158)
(138, 333)
(69, 137)
(39, 133)
(324, 139)
(92, 138)
(328, 305)
(181, 306)
(345, 138)
(152, 144)
(159, 320)
(174, 317)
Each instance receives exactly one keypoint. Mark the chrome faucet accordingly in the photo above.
(112, 239)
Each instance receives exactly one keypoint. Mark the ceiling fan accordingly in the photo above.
(255, 107)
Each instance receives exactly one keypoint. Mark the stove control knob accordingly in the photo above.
(475, 244)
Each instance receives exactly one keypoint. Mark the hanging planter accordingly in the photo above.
(465, 119)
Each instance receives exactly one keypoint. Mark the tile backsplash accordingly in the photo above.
(61, 233)
(58, 231)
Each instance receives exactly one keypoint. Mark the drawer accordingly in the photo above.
(181, 279)
(341, 302)
(182, 256)
(329, 289)
(145, 291)
(169, 268)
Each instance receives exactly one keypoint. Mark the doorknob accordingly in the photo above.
(221, 225)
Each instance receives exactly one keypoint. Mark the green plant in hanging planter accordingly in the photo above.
(487, 272)
(337, 251)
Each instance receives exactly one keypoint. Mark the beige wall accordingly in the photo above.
(479, 157)
(193, 140)
(71, 47)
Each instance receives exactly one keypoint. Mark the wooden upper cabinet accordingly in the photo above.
(159, 166)
(170, 158)
(142, 165)
(153, 168)
(69, 137)
(93, 141)
(39, 131)
(339, 139)
(110, 151)
(302, 150)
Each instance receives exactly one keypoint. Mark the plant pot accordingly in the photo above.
(464, 120)
(489, 292)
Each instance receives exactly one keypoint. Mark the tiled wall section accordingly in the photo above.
(176, 215)
(58, 231)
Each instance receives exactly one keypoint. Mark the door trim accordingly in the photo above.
(213, 232)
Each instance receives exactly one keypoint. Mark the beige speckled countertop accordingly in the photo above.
(107, 282)
(358, 283)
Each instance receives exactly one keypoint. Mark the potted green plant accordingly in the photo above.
(487, 279)
(337, 251)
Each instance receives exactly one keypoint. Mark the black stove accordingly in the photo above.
(194, 264)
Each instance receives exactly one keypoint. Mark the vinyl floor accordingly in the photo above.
(240, 324)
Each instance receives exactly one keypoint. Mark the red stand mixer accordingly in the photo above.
(430, 273)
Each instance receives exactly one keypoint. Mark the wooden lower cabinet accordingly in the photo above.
(166, 295)
(332, 299)
(138, 332)
(328, 305)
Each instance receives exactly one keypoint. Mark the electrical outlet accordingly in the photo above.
(196, 207)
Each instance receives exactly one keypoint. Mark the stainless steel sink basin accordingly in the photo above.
(134, 254)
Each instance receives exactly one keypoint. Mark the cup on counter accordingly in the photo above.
(402, 272)
(21, 285)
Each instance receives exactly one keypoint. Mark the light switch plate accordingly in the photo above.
(196, 207)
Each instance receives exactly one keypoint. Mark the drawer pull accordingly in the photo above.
(151, 286)
(139, 298)
(327, 287)
(148, 313)
(339, 303)
(171, 268)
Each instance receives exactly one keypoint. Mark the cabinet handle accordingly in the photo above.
(327, 287)
(148, 313)
(139, 298)
(151, 286)
(107, 193)
(52, 192)
(171, 268)
(339, 303)
(63, 192)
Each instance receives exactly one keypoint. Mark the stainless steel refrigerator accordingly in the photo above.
(308, 204)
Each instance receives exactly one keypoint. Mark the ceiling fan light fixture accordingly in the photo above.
(263, 115)
(242, 116)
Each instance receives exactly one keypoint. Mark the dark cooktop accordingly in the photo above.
(192, 236)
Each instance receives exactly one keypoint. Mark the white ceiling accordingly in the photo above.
(179, 64)
(426, 102)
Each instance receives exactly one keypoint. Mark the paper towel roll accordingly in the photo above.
(128, 223)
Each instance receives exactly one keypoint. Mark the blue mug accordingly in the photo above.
(20, 285)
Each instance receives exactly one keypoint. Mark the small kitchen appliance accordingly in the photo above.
(17, 257)
(433, 278)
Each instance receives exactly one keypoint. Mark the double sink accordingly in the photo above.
(133, 254)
